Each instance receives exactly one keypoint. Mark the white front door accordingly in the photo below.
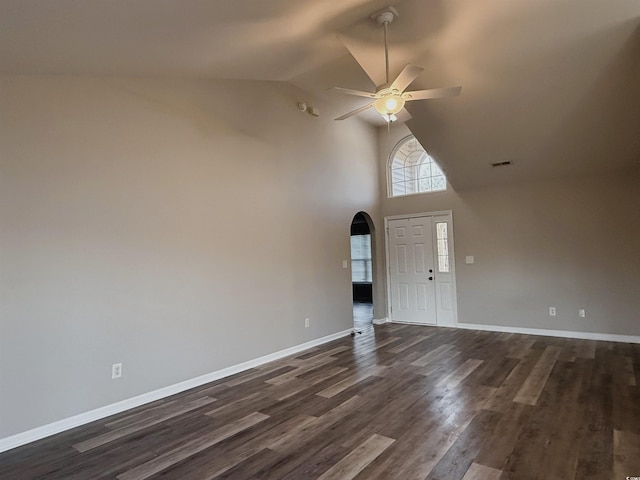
(411, 266)
(421, 278)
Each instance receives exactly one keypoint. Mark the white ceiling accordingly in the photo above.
(552, 85)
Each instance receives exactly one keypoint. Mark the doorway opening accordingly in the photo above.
(362, 275)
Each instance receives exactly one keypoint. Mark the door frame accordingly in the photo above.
(452, 263)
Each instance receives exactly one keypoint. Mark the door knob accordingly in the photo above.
(430, 278)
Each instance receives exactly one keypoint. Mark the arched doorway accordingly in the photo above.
(362, 266)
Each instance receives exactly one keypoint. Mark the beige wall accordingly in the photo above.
(569, 243)
(179, 227)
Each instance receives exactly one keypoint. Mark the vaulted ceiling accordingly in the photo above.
(551, 85)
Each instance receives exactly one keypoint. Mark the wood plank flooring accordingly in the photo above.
(396, 402)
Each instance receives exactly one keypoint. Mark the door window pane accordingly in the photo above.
(443, 247)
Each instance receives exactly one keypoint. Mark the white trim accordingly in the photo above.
(418, 324)
(387, 268)
(426, 192)
(438, 213)
(380, 321)
(38, 433)
(607, 337)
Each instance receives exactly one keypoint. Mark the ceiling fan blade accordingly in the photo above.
(359, 93)
(432, 93)
(407, 75)
(368, 57)
(355, 112)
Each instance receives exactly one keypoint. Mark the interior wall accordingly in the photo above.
(178, 227)
(570, 243)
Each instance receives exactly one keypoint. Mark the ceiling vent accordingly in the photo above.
(502, 164)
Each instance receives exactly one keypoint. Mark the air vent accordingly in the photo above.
(502, 164)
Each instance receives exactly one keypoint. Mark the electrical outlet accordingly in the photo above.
(552, 311)
(116, 370)
(582, 312)
(307, 322)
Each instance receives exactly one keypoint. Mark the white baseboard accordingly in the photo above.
(380, 321)
(38, 433)
(608, 337)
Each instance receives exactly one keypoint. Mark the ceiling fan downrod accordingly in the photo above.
(386, 54)
(384, 18)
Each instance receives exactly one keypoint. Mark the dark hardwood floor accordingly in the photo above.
(397, 402)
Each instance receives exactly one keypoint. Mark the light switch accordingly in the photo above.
(469, 260)
(345, 264)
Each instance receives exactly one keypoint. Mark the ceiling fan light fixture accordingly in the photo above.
(389, 104)
(390, 97)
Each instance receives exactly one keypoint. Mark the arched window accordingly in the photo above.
(412, 170)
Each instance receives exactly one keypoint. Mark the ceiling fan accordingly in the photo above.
(389, 98)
